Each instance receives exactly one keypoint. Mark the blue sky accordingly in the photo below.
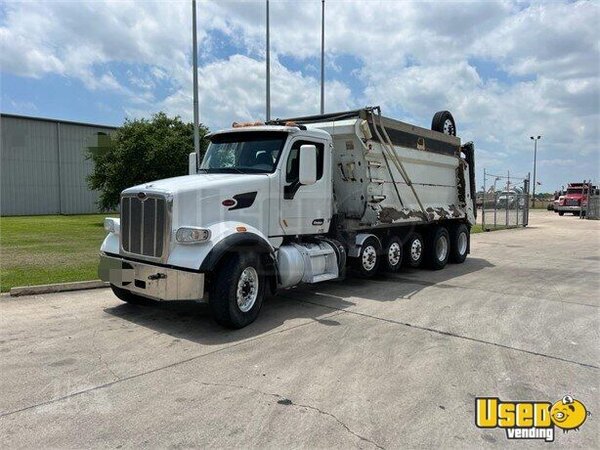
(505, 69)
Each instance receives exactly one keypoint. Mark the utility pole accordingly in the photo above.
(195, 78)
(507, 197)
(483, 202)
(322, 56)
(268, 68)
(535, 139)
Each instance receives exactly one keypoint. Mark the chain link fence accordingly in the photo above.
(592, 208)
(506, 206)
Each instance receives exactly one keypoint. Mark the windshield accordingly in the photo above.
(243, 152)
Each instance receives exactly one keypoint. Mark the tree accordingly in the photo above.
(140, 151)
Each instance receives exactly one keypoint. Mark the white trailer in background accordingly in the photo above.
(294, 201)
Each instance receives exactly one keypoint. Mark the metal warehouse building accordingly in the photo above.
(43, 165)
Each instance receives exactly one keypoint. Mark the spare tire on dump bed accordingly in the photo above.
(444, 123)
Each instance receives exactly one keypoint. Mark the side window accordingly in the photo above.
(292, 169)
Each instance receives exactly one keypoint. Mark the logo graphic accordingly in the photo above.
(530, 420)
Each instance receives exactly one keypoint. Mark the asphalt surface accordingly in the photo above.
(392, 362)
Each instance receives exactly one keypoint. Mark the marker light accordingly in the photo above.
(112, 225)
(192, 235)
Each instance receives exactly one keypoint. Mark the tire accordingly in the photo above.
(438, 248)
(237, 292)
(391, 257)
(369, 257)
(459, 243)
(130, 297)
(444, 123)
(414, 250)
(560, 213)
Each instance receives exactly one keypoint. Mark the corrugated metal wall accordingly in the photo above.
(43, 166)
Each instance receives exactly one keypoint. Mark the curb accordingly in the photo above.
(58, 287)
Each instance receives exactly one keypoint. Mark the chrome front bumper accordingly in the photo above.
(147, 280)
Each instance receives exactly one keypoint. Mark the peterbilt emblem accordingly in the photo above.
(141, 195)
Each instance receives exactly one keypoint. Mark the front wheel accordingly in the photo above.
(561, 213)
(237, 293)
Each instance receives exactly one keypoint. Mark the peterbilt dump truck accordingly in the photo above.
(300, 200)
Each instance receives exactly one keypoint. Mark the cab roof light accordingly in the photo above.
(257, 123)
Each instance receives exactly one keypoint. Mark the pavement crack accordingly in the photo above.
(451, 334)
(287, 402)
(99, 356)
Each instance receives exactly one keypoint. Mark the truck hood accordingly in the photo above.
(189, 183)
(197, 200)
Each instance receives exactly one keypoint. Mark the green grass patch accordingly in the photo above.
(476, 229)
(49, 249)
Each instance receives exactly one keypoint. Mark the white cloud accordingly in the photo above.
(415, 58)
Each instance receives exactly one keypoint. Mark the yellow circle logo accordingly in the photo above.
(568, 414)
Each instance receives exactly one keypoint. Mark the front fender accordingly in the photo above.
(224, 237)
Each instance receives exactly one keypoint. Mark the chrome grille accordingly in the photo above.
(144, 225)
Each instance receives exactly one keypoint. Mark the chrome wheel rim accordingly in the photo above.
(441, 248)
(247, 289)
(369, 258)
(415, 249)
(462, 243)
(394, 254)
(448, 127)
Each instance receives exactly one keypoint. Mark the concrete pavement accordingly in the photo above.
(395, 361)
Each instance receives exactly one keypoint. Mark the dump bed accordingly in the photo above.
(387, 172)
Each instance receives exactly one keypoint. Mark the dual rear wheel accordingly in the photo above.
(434, 249)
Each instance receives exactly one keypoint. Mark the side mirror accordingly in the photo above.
(192, 167)
(308, 165)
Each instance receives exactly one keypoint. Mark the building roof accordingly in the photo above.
(45, 119)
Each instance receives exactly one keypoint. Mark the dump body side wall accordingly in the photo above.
(369, 190)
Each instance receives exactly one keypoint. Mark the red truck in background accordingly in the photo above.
(573, 199)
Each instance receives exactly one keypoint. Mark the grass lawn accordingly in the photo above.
(49, 249)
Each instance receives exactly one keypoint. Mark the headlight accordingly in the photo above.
(192, 235)
(112, 225)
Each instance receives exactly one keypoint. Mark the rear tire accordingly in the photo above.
(438, 248)
(392, 255)
(130, 297)
(238, 290)
(414, 250)
(459, 243)
(368, 258)
(561, 213)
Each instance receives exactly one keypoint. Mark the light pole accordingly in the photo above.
(195, 83)
(268, 68)
(535, 140)
(322, 56)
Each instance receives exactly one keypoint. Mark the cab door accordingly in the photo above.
(306, 209)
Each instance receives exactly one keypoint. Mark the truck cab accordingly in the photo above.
(574, 199)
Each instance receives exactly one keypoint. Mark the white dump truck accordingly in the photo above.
(293, 201)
